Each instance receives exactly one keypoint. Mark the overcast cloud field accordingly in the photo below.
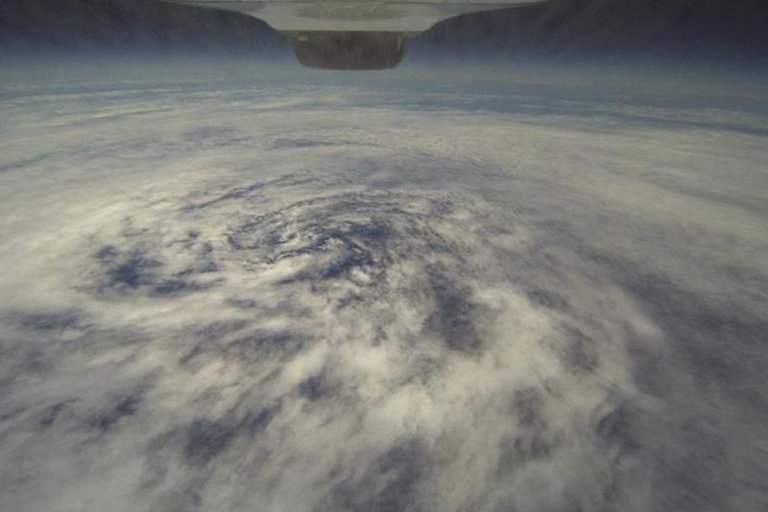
(531, 290)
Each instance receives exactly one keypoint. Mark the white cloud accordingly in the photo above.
(222, 296)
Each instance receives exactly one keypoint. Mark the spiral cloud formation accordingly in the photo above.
(230, 297)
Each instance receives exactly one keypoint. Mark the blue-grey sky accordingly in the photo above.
(732, 29)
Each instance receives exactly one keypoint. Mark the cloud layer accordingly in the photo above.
(233, 297)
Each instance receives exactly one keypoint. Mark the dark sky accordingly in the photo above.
(729, 29)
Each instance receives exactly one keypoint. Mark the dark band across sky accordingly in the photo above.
(732, 29)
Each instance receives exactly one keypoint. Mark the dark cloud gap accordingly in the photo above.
(389, 484)
(454, 315)
(50, 322)
(615, 427)
(547, 298)
(284, 143)
(698, 329)
(257, 420)
(205, 439)
(685, 316)
(248, 191)
(51, 413)
(314, 387)
(579, 353)
(251, 346)
(139, 269)
(122, 408)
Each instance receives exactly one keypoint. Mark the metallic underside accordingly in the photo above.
(352, 34)
(348, 50)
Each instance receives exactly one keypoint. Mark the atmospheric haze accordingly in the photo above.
(530, 290)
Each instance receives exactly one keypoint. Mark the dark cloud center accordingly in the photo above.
(384, 246)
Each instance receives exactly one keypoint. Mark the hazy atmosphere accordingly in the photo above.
(732, 30)
(523, 271)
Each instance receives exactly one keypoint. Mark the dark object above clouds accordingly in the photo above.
(348, 50)
(674, 28)
(353, 34)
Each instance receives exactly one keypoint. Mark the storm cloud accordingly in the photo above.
(275, 297)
